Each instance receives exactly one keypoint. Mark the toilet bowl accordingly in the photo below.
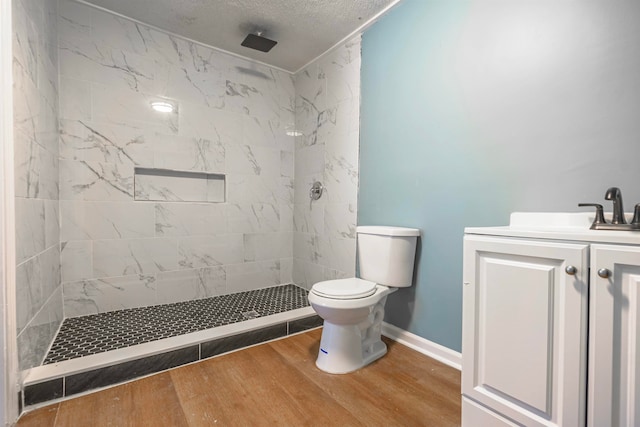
(351, 337)
(353, 309)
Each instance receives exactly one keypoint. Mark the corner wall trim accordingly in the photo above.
(423, 345)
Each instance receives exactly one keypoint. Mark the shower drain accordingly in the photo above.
(251, 314)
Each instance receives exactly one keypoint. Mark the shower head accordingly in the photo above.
(258, 42)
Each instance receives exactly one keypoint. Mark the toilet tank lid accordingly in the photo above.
(387, 231)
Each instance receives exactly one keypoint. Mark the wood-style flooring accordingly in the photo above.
(273, 384)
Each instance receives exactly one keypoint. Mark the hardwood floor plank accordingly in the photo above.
(398, 389)
(150, 401)
(43, 417)
(276, 383)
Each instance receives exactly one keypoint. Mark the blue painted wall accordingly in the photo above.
(472, 110)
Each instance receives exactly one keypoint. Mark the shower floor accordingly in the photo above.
(97, 333)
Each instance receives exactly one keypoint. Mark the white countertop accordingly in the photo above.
(557, 226)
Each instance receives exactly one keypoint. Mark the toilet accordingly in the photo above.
(353, 308)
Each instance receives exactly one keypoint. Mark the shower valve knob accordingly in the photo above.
(316, 190)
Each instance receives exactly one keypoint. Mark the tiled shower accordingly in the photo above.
(94, 237)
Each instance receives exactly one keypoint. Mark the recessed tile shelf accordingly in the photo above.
(167, 185)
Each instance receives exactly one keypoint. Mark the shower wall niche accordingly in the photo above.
(127, 242)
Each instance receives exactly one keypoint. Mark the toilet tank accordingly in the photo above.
(386, 254)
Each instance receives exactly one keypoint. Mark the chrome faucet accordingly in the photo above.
(615, 194)
(618, 221)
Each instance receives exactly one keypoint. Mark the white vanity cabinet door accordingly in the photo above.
(614, 337)
(524, 329)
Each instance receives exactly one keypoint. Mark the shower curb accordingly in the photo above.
(63, 380)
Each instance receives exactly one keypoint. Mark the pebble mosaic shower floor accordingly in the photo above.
(97, 333)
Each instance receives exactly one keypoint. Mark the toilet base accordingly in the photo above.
(347, 348)
(342, 349)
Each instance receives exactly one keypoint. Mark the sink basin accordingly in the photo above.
(551, 220)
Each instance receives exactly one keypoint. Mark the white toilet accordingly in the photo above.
(353, 309)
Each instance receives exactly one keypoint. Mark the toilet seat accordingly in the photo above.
(352, 288)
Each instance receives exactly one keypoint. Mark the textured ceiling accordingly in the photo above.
(304, 29)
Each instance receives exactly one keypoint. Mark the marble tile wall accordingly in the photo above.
(230, 118)
(328, 116)
(35, 74)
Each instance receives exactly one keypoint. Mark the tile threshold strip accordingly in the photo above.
(43, 384)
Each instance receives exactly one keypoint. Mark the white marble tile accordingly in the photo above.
(107, 143)
(307, 274)
(106, 220)
(342, 71)
(76, 260)
(30, 228)
(252, 275)
(48, 180)
(209, 251)
(34, 341)
(249, 189)
(108, 294)
(75, 99)
(308, 119)
(190, 219)
(198, 76)
(309, 160)
(311, 86)
(340, 220)
(340, 181)
(133, 256)
(256, 160)
(26, 107)
(257, 131)
(287, 163)
(85, 180)
(73, 220)
(338, 254)
(74, 20)
(188, 153)
(309, 218)
(50, 267)
(286, 270)
(286, 216)
(84, 59)
(188, 285)
(121, 33)
(267, 246)
(27, 166)
(256, 218)
(307, 247)
(29, 297)
(130, 108)
(219, 126)
(25, 40)
(338, 136)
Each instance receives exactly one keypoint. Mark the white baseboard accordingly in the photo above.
(424, 346)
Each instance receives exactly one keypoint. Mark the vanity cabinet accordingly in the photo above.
(546, 340)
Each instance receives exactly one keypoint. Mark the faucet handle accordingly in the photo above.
(636, 215)
(599, 219)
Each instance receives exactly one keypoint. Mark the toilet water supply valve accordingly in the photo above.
(618, 221)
